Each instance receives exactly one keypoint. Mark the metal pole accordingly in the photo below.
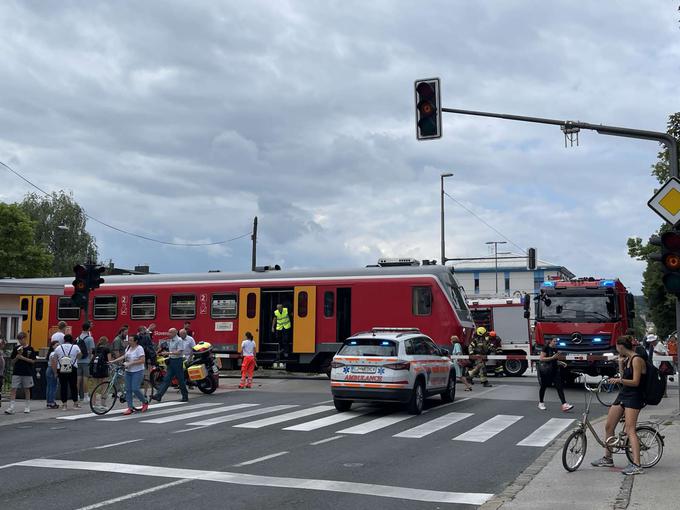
(441, 238)
(677, 332)
(253, 238)
(495, 253)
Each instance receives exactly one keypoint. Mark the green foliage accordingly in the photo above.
(20, 255)
(60, 227)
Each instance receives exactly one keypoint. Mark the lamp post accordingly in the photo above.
(495, 256)
(443, 252)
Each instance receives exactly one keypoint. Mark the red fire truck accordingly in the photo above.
(586, 316)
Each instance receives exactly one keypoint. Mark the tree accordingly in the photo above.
(20, 255)
(61, 228)
(661, 304)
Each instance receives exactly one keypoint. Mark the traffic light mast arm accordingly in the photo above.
(670, 142)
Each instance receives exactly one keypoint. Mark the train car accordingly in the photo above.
(326, 307)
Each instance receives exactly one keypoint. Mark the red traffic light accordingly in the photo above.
(672, 261)
(428, 109)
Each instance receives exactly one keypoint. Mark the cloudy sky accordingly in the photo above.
(183, 120)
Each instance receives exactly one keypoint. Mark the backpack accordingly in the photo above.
(65, 363)
(83, 346)
(655, 385)
(99, 365)
(149, 351)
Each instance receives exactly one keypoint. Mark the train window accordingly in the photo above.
(251, 305)
(143, 307)
(328, 303)
(422, 301)
(39, 308)
(459, 303)
(303, 299)
(14, 330)
(24, 309)
(66, 310)
(224, 306)
(183, 306)
(105, 307)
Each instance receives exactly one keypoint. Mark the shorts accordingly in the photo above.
(629, 402)
(22, 381)
(83, 369)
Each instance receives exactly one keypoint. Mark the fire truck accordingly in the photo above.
(506, 316)
(585, 316)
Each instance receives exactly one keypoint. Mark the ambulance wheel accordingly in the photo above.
(450, 394)
(207, 385)
(415, 405)
(342, 405)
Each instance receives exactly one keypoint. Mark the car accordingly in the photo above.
(391, 365)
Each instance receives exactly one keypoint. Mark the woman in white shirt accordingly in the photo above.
(133, 361)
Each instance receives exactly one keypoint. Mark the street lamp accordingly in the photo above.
(495, 251)
(442, 217)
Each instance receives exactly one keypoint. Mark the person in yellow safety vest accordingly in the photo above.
(480, 345)
(281, 326)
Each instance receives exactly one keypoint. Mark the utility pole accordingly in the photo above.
(495, 256)
(443, 252)
(253, 238)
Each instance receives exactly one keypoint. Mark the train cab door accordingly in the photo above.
(249, 315)
(35, 319)
(304, 318)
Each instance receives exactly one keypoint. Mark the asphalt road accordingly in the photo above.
(282, 445)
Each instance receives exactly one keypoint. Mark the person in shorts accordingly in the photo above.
(22, 376)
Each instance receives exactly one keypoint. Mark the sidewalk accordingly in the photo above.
(546, 484)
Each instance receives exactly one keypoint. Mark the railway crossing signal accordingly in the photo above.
(669, 258)
(94, 276)
(80, 286)
(428, 109)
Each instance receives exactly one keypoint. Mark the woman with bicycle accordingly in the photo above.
(133, 361)
(630, 401)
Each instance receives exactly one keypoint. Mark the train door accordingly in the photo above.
(249, 315)
(344, 313)
(304, 318)
(35, 319)
(271, 348)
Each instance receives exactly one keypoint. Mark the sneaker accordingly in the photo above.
(27, 410)
(127, 412)
(567, 407)
(487, 384)
(241, 386)
(541, 406)
(145, 407)
(64, 407)
(185, 399)
(632, 469)
(76, 405)
(9, 410)
(603, 462)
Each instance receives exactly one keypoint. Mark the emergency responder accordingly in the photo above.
(480, 345)
(495, 342)
(281, 326)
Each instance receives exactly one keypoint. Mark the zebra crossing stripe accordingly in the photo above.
(546, 433)
(488, 429)
(378, 423)
(285, 417)
(158, 413)
(241, 415)
(117, 411)
(433, 425)
(328, 420)
(196, 414)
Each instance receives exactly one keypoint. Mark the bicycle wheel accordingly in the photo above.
(574, 450)
(651, 446)
(607, 392)
(103, 398)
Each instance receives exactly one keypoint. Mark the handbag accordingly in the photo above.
(666, 368)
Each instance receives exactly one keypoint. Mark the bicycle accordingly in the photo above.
(113, 390)
(574, 450)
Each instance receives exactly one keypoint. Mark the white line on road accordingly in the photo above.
(117, 411)
(117, 444)
(489, 390)
(196, 414)
(187, 430)
(433, 425)
(322, 403)
(327, 440)
(284, 417)
(260, 459)
(158, 413)
(241, 415)
(488, 429)
(328, 420)
(385, 491)
(378, 423)
(135, 494)
(546, 433)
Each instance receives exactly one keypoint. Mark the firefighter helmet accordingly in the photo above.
(481, 331)
(492, 334)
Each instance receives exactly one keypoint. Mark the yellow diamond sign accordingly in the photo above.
(666, 201)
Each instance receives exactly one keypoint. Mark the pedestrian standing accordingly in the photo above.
(248, 351)
(22, 376)
(175, 363)
(188, 329)
(59, 334)
(188, 343)
(66, 358)
(133, 361)
(99, 367)
(51, 374)
(460, 364)
(550, 372)
(120, 342)
(659, 349)
(3, 344)
(86, 345)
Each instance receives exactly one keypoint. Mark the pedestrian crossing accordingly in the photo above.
(363, 420)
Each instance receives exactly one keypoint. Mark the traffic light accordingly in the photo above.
(428, 109)
(531, 259)
(94, 276)
(80, 286)
(669, 258)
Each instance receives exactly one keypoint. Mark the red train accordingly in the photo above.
(325, 306)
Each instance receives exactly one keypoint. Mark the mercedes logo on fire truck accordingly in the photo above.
(576, 338)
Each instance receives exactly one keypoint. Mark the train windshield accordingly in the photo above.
(368, 347)
(588, 308)
(458, 300)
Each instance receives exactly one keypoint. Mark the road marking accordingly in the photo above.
(324, 402)
(443, 406)
(164, 411)
(238, 416)
(187, 430)
(260, 459)
(117, 444)
(484, 392)
(367, 489)
(378, 423)
(285, 417)
(488, 429)
(195, 414)
(327, 440)
(328, 420)
(117, 411)
(135, 494)
(433, 425)
(546, 433)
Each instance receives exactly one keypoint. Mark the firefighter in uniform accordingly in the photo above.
(281, 326)
(495, 341)
(480, 345)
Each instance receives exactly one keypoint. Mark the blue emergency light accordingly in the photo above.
(384, 342)
(597, 340)
(353, 342)
(607, 283)
(562, 344)
(548, 284)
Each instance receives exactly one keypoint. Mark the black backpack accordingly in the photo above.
(99, 365)
(83, 346)
(655, 385)
(149, 350)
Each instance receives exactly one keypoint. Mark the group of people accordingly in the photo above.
(481, 345)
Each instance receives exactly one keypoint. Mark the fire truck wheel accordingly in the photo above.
(515, 367)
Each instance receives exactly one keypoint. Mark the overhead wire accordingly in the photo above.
(123, 231)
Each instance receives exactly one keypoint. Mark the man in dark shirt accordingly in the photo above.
(22, 376)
